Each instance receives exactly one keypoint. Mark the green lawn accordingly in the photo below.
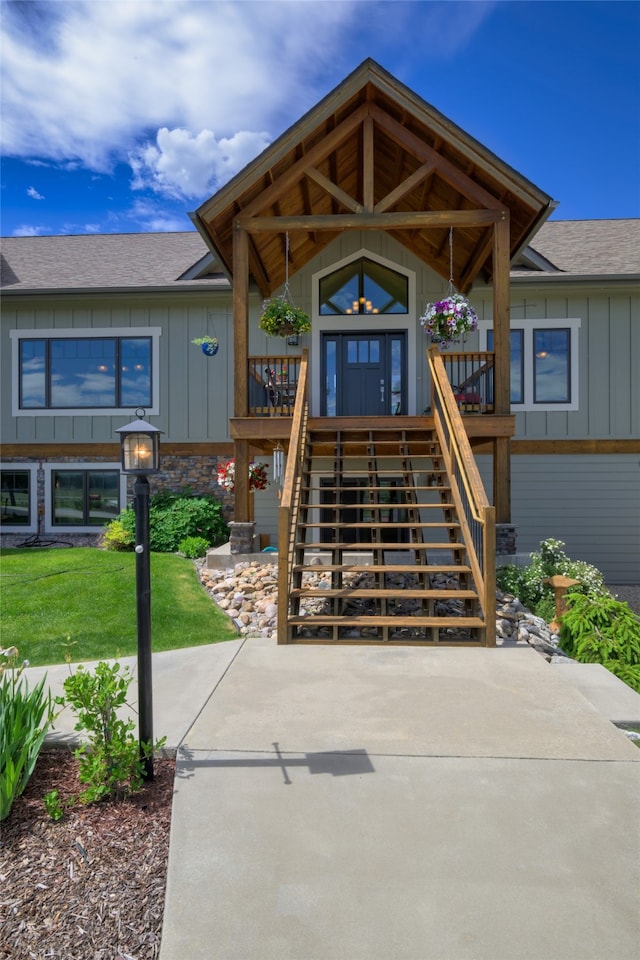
(83, 601)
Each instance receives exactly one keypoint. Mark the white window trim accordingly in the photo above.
(323, 323)
(32, 527)
(528, 326)
(56, 333)
(49, 526)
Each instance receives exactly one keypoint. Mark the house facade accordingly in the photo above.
(364, 211)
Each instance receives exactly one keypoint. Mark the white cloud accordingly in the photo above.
(181, 165)
(191, 90)
(33, 193)
(29, 230)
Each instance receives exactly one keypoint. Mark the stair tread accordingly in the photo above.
(321, 620)
(395, 546)
(382, 525)
(396, 593)
(383, 568)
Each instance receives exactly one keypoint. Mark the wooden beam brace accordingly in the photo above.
(314, 156)
(335, 191)
(373, 221)
(368, 164)
(404, 188)
(448, 171)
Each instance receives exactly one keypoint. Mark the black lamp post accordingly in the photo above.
(139, 456)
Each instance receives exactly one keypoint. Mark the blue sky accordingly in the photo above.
(123, 116)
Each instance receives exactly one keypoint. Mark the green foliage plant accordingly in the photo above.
(193, 547)
(53, 805)
(110, 762)
(280, 318)
(172, 518)
(528, 583)
(25, 717)
(601, 629)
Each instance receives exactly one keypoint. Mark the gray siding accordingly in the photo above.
(592, 503)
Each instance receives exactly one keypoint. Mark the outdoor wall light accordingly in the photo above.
(139, 446)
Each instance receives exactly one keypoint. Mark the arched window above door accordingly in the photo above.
(363, 287)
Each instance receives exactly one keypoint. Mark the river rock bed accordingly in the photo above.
(248, 593)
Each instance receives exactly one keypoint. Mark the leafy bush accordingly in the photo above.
(601, 629)
(193, 547)
(110, 763)
(25, 716)
(527, 583)
(117, 536)
(172, 518)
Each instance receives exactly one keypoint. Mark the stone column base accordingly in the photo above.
(506, 539)
(241, 536)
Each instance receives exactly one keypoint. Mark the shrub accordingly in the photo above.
(172, 518)
(527, 583)
(110, 763)
(601, 629)
(193, 547)
(25, 716)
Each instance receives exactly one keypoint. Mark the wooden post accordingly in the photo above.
(242, 506)
(240, 323)
(502, 367)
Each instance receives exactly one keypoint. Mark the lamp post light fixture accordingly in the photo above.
(139, 456)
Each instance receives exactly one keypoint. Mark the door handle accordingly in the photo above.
(382, 391)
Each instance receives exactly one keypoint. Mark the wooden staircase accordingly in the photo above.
(377, 546)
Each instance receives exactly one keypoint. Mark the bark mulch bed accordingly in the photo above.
(90, 886)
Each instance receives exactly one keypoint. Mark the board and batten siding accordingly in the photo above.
(609, 358)
(592, 503)
(195, 391)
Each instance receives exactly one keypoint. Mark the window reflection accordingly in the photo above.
(552, 366)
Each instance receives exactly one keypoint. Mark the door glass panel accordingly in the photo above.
(374, 351)
(352, 351)
(330, 378)
(396, 377)
(363, 351)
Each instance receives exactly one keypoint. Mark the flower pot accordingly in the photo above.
(210, 348)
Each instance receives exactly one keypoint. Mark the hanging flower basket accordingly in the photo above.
(209, 345)
(258, 479)
(279, 318)
(446, 321)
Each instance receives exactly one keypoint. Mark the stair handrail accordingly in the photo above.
(476, 515)
(287, 511)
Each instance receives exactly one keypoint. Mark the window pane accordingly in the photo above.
(33, 390)
(68, 497)
(552, 366)
(104, 491)
(362, 288)
(339, 290)
(352, 351)
(363, 351)
(386, 290)
(516, 349)
(83, 373)
(135, 372)
(15, 502)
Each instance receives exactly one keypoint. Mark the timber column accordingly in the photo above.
(242, 511)
(502, 374)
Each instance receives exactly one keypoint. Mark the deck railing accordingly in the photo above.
(471, 379)
(273, 382)
(290, 498)
(476, 515)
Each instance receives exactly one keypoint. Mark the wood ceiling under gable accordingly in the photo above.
(372, 155)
